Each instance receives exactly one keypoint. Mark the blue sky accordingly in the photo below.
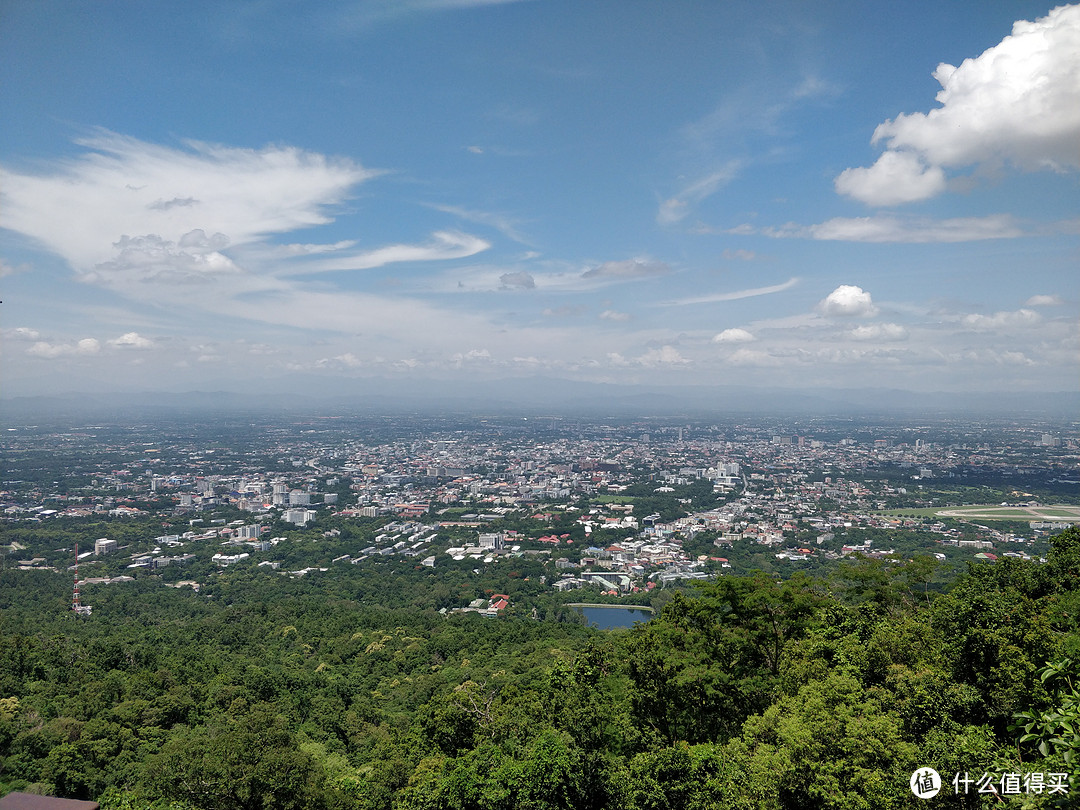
(243, 195)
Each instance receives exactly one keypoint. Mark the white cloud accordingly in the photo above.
(86, 346)
(21, 333)
(753, 357)
(733, 336)
(313, 249)
(847, 301)
(733, 296)
(471, 357)
(662, 356)
(1018, 103)
(612, 315)
(676, 208)
(7, 269)
(918, 231)
(1019, 319)
(348, 360)
(1044, 301)
(138, 259)
(188, 230)
(119, 185)
(443, 245)
(632, 268)
(519, 280)
(896, 177)
(132, 340)
(503, 224)
(879, 331)
(45, 349)
(890, 229)
(657, 357)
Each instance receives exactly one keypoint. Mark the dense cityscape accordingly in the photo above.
(622, 507)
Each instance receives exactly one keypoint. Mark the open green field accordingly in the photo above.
(995, 512)
(910, 512)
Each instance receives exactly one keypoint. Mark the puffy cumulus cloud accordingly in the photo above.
(517, 281)
(86, 346)
(847, 301)
(733, 336)
(879, 331)
(131, 340)
(657, 357)
(471, 357)
(895, 178)
(194, 258)
(612, 315)
(1018, 319)
(1044, 301)
(348, 360)
(662, 356)
(1017, 103)
(632, 268)
(21, 333)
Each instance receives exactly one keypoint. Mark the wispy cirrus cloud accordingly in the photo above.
(676, 208)
(442, 246)
(732, 296)
(894, 229)
(361, 14)
(629, 269)
(503, 224)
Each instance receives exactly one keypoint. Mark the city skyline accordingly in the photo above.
(252, 197)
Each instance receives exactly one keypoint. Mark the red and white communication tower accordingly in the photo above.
(79, 608)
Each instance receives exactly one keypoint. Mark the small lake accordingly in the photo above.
(610, 617)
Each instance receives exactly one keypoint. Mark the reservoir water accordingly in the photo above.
(608, 617)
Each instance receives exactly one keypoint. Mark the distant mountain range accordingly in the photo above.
(537, 395)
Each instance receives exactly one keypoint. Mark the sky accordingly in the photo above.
(280, 195)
